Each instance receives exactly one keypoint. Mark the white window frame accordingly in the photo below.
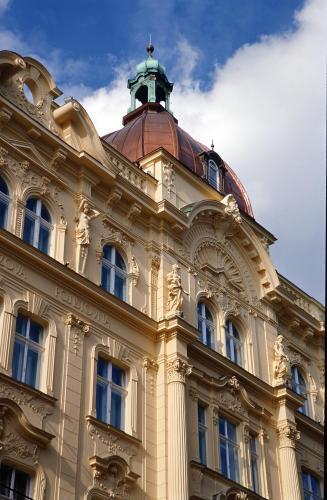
(35, 346)
(229, 444)
(212, 167)
(112, 387)
(300, 389)
(5, 198)
(38, 223)
(229, 337)
(204, 428)
(205, 322)
(12, 483)
(110, 264)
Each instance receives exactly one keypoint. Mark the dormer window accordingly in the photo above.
(213, 174)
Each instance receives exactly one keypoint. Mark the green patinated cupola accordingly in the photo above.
(150, 83)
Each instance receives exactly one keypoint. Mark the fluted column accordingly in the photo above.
(288, 435)
(177, 371)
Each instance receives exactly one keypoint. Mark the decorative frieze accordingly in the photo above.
(81, 306)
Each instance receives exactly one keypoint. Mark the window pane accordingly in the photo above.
(120, 262)
(5, 480)
(223, 457)
(3, 213)
(202, 447)
(105, 278)
(228, 353)
(44, 237)
(21, 485)
(102, 368)
(201, 414)
(116, 405)
(21, 325)
(232, 462)
(31, 367)
(208, 333)
(17, 360)
(315, 486)
(31, 204)
(222, 426)
(29, 226)
(101, 402)
(107, 252)
(3, 187)
(119, 287)
(35, 332)
(45, 214)
(231, 431)
(254, 475)
(117, 375)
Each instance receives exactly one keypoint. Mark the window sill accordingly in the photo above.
(229, 483)
(112, 430)
(21, 386)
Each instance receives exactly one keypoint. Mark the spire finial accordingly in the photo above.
(212, 145)
(150, 47)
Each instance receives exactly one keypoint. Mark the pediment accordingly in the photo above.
(28, 149)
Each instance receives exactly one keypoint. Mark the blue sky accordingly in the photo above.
(248, 74)
(110, 32)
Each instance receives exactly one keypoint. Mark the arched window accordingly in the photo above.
(114, 273)
(205, 325)
(37, 225)
(4, 203)
(233, 343)
(213, 174)
(299, 386)
(110, 393)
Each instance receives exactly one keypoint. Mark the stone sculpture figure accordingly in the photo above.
(83, 234)
(281, 362)
(175, 290)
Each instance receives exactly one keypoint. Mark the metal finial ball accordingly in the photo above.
(150, 49)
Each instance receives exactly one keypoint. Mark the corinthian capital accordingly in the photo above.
(74, 322)
(288, 435)
(178, 370)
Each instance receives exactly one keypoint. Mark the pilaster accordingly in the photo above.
(177, 370)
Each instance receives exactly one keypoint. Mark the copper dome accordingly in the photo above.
(150, 127)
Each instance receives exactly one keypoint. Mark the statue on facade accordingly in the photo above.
(83, 236)
(281, 362)
(175, 290)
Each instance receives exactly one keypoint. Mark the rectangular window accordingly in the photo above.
(202, 431)
(228, 449)
(311, 487)
(14, 484)
(110, 393)
(254, 459)
(27, 351)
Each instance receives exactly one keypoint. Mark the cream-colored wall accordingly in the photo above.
(221, 260)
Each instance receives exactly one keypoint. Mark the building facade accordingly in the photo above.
(149, 349)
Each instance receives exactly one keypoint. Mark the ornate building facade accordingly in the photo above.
(149, 349)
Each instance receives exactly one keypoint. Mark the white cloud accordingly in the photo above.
(265, 114)
(4, 5)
